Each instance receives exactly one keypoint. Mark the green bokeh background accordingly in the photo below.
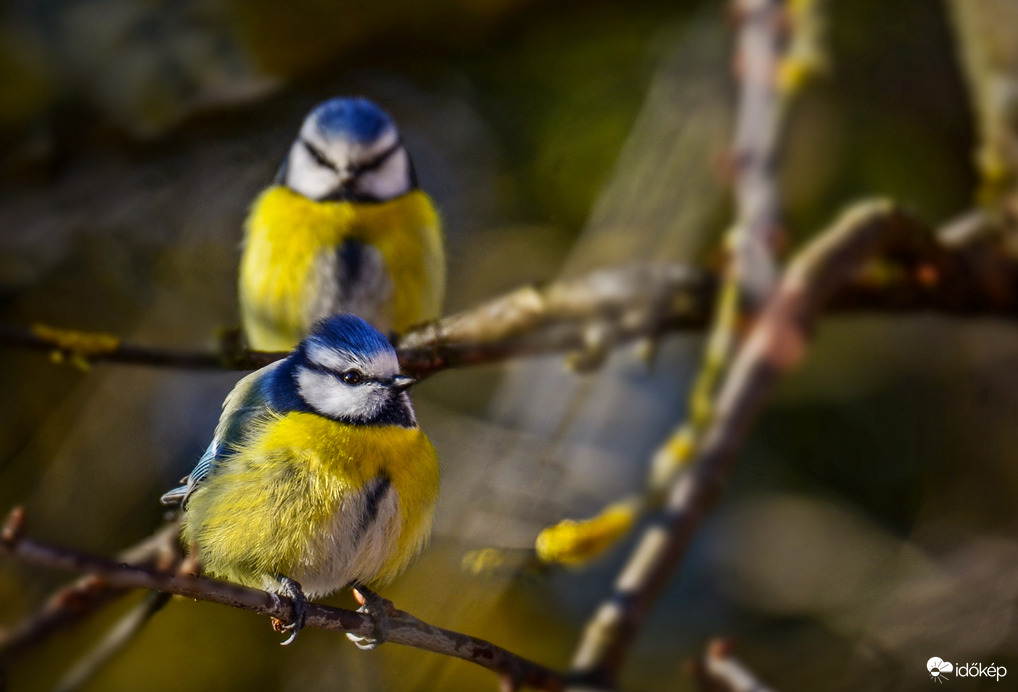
(870, 524)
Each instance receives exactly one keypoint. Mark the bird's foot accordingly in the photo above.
(377, 608)
(291, 589)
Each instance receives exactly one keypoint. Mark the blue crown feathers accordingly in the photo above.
(349, 333)
(357, 118)
(341, 332)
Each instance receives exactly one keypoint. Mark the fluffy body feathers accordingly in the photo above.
(345, 228)
(301, 482)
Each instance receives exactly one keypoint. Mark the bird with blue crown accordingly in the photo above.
(345, 228)
(318, 475)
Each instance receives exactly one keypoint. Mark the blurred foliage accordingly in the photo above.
(871, 517)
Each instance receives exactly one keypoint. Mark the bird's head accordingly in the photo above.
(346, 370)
(348, 149)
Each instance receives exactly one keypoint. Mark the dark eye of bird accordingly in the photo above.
(352, 377)
(319, 156)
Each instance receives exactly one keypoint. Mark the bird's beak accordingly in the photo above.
(343, 193)
(400, 383)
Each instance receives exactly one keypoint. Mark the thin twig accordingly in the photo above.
(74, 602)
(602, 310)
(403, 628)
(116, 639)
(775, 345)
(588, 315)
(761, 41)
(749, 277)
(84, 348)
(719, 671)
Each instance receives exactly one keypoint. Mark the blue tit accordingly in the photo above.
(345, 228)
(318, 475)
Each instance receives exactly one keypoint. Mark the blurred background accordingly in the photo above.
(871, 523)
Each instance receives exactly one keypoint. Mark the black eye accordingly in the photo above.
(352, 377)
(319, 156)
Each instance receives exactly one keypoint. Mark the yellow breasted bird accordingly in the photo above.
(345, 228)
(318, 475)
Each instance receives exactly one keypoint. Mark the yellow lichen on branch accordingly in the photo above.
(78, 347)
(805, 59)
(572, 542)
(483, 561)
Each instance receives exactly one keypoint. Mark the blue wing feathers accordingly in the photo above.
(246, 402)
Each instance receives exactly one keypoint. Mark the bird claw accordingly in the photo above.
(291, 589)
(375, 607)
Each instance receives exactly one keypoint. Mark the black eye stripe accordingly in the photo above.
(318, 156)
(378, 160)
(338, 374)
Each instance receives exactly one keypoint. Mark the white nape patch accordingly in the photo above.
(334, 558)
(391, 179)
(329, 396)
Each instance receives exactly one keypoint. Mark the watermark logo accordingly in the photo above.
(940, 670)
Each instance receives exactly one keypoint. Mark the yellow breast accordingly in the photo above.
(286, 233)
(277, 505)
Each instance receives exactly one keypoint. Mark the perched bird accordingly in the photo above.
(345, 228)
(318, 475)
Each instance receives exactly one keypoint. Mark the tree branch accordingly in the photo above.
(719, 671)
(115, 641)
(76, 601)
(761, 42)
(588, 315)
(84, 348)
(977, 275)
(403, 628)
(777, 343)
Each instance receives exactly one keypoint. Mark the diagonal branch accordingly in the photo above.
(403, 628)
(776, 344)
(719, 671)
(113, 643)
(76, 601)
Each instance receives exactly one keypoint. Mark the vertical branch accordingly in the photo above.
(725, 397)
(748, 281)
(759, 49)
(776, 344)
(761, 64)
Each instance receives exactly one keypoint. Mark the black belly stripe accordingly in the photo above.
(351, 262)
(372, 502)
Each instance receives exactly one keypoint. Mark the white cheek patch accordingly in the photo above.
(306, 177)
(389, 180)
(327, 395)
